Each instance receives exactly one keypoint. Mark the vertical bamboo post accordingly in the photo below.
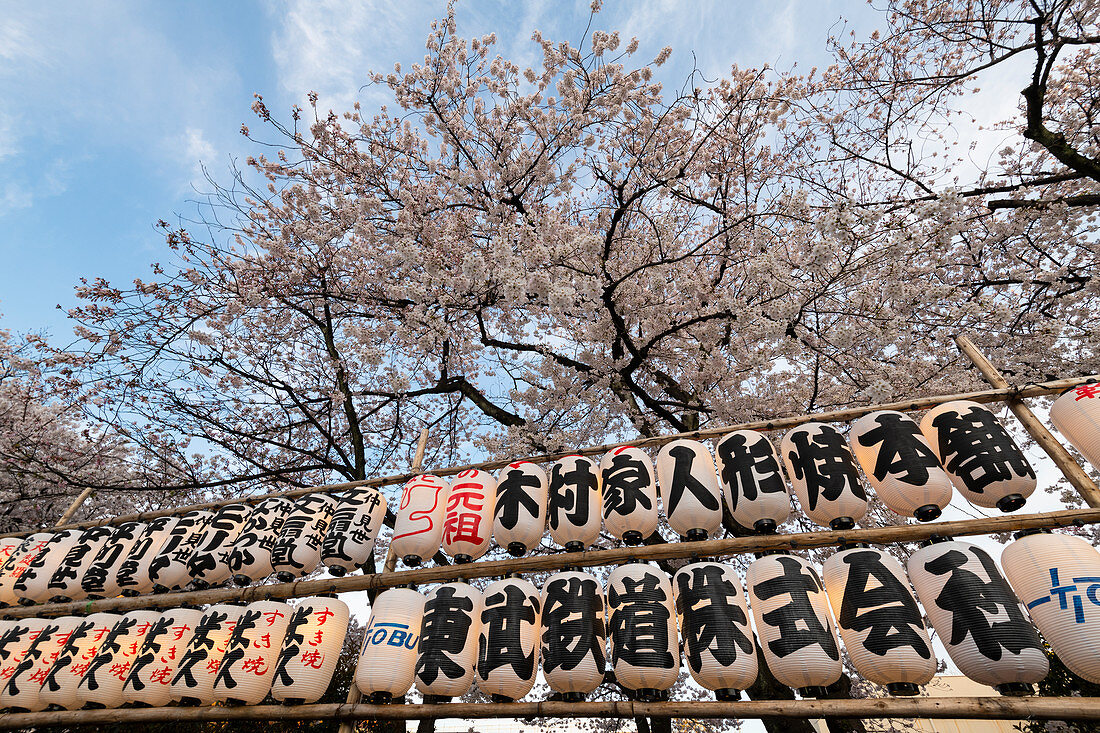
(354, 696)
(77, 503)
(1073, 472)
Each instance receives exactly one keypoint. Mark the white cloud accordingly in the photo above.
(197, 150)
(14, 197)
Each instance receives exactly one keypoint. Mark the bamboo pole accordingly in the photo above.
(920, 403)
(77, 503)
(542, 563)
(1073, 472)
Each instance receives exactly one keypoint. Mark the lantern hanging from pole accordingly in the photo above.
(17, 563)
(645, 651)
(248, 665)
(508, 646)
(1057, 577)
(64, 584)
(209, 563)
(169, 568)
(629, 494)
(418, 529)
(982, 459)
(311, 649)
(824, 475)
(447, 652)
(522, 491)
(250, 558)
(1076, 414)
(60, 685)
(575, 502)
(101, 578)
(689, 489)
(752, 481)
(193, 682)
(349, 544)
(297, 552)
(714, 626)
(101, 685)
(23, 689)
(23, 653)
(150, 679)
(468, 521)
(900, 465)
(879, 620)
(791, 613)
(33, 585)
(573, 634)
(133, 575)
(387, 661)
(980, 621)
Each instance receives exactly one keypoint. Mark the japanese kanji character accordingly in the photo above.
(799, 626)
(747, 469)
(903, 453)
(822, 459)
(573, 625)
(513, 496)
(499, 644)
(705, 599)
(978, 449)
(447, 621)
(639, 623)
(892, 616)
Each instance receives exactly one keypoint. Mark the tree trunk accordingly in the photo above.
(839, 690)
(767, 687)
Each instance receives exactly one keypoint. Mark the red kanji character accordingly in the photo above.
(101, 632)
(133, 649)
(1091, 391)
(78, 670)
(179, 631)
(462, 528)
(317, 638)
(264, 642)
(213, 664)
(169, 654)
(40, 676)
(90, 654)
(324, 615)
(272, 615)
(256, 666)
(63, 639)
(313, 659)
(119, 670)
(143, 629)
(7, 672)
(161, 676)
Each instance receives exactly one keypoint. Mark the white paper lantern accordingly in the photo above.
(33, 585)
(1076, 414)
(193, 682)
(418, 529)
(20, 690)
(879, 620)
(792, 619)
(297, 552)
(576, 498)
(629, 495)
(982, 459)
(349, 544)
(209, 563)
(468, 522)
(250, 558)
(522, 492)
(150, 679)
(447, 652)
(752, 481)
(101, 578)
(508, 645)
(824, 475)
(645, 650)
(133, 574)
(977, 617)
(8, 545)
(311, 650)
(689, 489)
(64, 584)
(252, 652)
(387, 662)
(169, 568)
(1057, 577)
(101, 685)
(573, 634)
(714, 625)
(17, 563)
(80, 649)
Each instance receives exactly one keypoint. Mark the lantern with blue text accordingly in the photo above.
(33, 586)
(101, 578)
(1076, 414)
(150, 679)
(418, 529)
(17, 563)
(645, 651)
(689, 489)
(193, 682)
(64, 584)
(209, 563)
(792, 619)
(297, 552)
(23, 690)
(468, 521)
(982, 459)
(101, 685)
(1057, 577)
(508, 646)
(250, 558)
(576, 499)
(522, 491)
(248, 665)
(133, 575)
(60, 685)
(387, 662)
(977, 617)
(573, 634)
(447, 652)
(349, 544)
(311, 649)
(752, 481)
(169, 568)
(25, 644)
(714, 625)
(880, 622)
(824, 475)
(629, 495)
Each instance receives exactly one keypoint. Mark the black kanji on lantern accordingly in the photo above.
(500, 644)
(798, 624)
(111, 645)
(711, 618)
(903, 453)
(821, 458)
(513, 495)
(199, 649)
(447, 620)
(624, 485)
(570, 492)
(893, 616)
(30, 658)
(236, 647)
(69, 567)
(65, 657)
(572, 622)
(292, 644)
(683, 480)
(978, 449)
(150, 648)
(752, 467)
(639, 623)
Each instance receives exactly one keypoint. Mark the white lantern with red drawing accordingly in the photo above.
(60, 686)
(33, 585)
(17, 563)
(645, 651)
(522, 492)
(248, 665)
(21, 690)
(576, 500)
(418, 529)
(508, 645)
(101, 685)
(209, 563)
(168, 569)
(468, 521)
(629, 489)
(752, 481)
(193, 682)
(387, 661)
(689, 489)
(349, 543)
(824, 475)
(133, 574)
(1076, 414)
(574, 635)
(297, 552)
(311, 649)
(447, 652)
(101, 578)
(150, 679)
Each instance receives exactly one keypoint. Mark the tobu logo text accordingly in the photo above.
(1087, 584)
(391, 635)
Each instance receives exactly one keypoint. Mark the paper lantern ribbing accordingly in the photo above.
(576, 498)
(209, 563)
(468, 521)
(418, 529)
(689, 489)
(824, 476)
(508, 645)
(64, 584)
(150, 678)
(900, 465)
(752, 481)
(311, 649)
(8, 545)
(522, 492)
(169, 568)
(447, 652)
(1076, 414)
(573, 634)
(193, 682)
(17, 563)
(645, 651)
(1057, 577)
(982, 459)
(297, 552)
(349, 544)
(248, 665)
(133, 574)
(22, 652)
(629, 494)
(101, 685)
(23, 689)
(980, 621)
(101, 578)
(387, 661)
(60, 686)
(792, 619)
(33, 585)
(714, 624)
(880, 622)
(250, 558)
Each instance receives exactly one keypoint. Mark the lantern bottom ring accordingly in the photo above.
(1010, 503)
(337, 571)
(242, 580)
(413, 561)
(696, 534)
(842, 523)
(501, 698)
(927, 513)
(517, 549)
(463, 559)
(649, 694)
(189, 702)
(727, 694)
(765, 526)
(632, 537)
(812, 691)
(907, 689)
(574, 546)
(381, 697)
(436, 699)
(284, 576)
(1015, 689)
(573, 696)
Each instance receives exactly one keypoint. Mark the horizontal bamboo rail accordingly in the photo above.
(988, 395)
(992, 708)
(543, 563)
